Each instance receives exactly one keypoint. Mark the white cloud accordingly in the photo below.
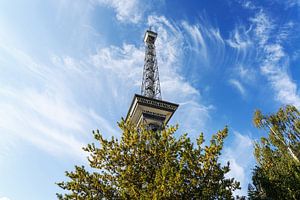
(237, 171)
(246, 74)
(248, 5)
(284, 31)
(237, 85)
(296, 55)
(199, 43)
(240, 156)
(42, 107)
(239, 38)
(4, 198)
(241, 51)
(204, 45)
(275, 61)
(126, 10)
(286, 88)
(126, 61)
(177, 84)
(39, 118)
(263, 27)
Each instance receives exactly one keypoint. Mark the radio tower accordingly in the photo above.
(148, 109)
(150, 84)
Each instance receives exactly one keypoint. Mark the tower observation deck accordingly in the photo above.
(148, 108)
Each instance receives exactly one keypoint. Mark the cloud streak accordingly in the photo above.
(236, 84)
(275, 61)
(126, 10)
(43, 110)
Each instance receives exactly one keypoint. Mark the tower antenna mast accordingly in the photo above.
(150, 83)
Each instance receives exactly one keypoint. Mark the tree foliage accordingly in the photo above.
(151, 165)
(277, 174)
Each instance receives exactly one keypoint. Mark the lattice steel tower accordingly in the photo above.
(150, 83)
(148, 109)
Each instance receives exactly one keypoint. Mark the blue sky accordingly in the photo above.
(69, 67)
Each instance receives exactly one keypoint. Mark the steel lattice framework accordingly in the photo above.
(148, 109)
(150, 83)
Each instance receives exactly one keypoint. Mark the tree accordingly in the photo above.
(151, 165)
(277, 174)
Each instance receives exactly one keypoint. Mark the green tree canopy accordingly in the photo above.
(277, 174)
(145, 164)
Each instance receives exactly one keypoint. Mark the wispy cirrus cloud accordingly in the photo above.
(125, 61)
(239, 38)
(204, 44)
(242, 50)
(245, 73)
(126, 10)
(237, 85)
(274, 60)
(198, 41)
(248, 4)
(42, 108)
